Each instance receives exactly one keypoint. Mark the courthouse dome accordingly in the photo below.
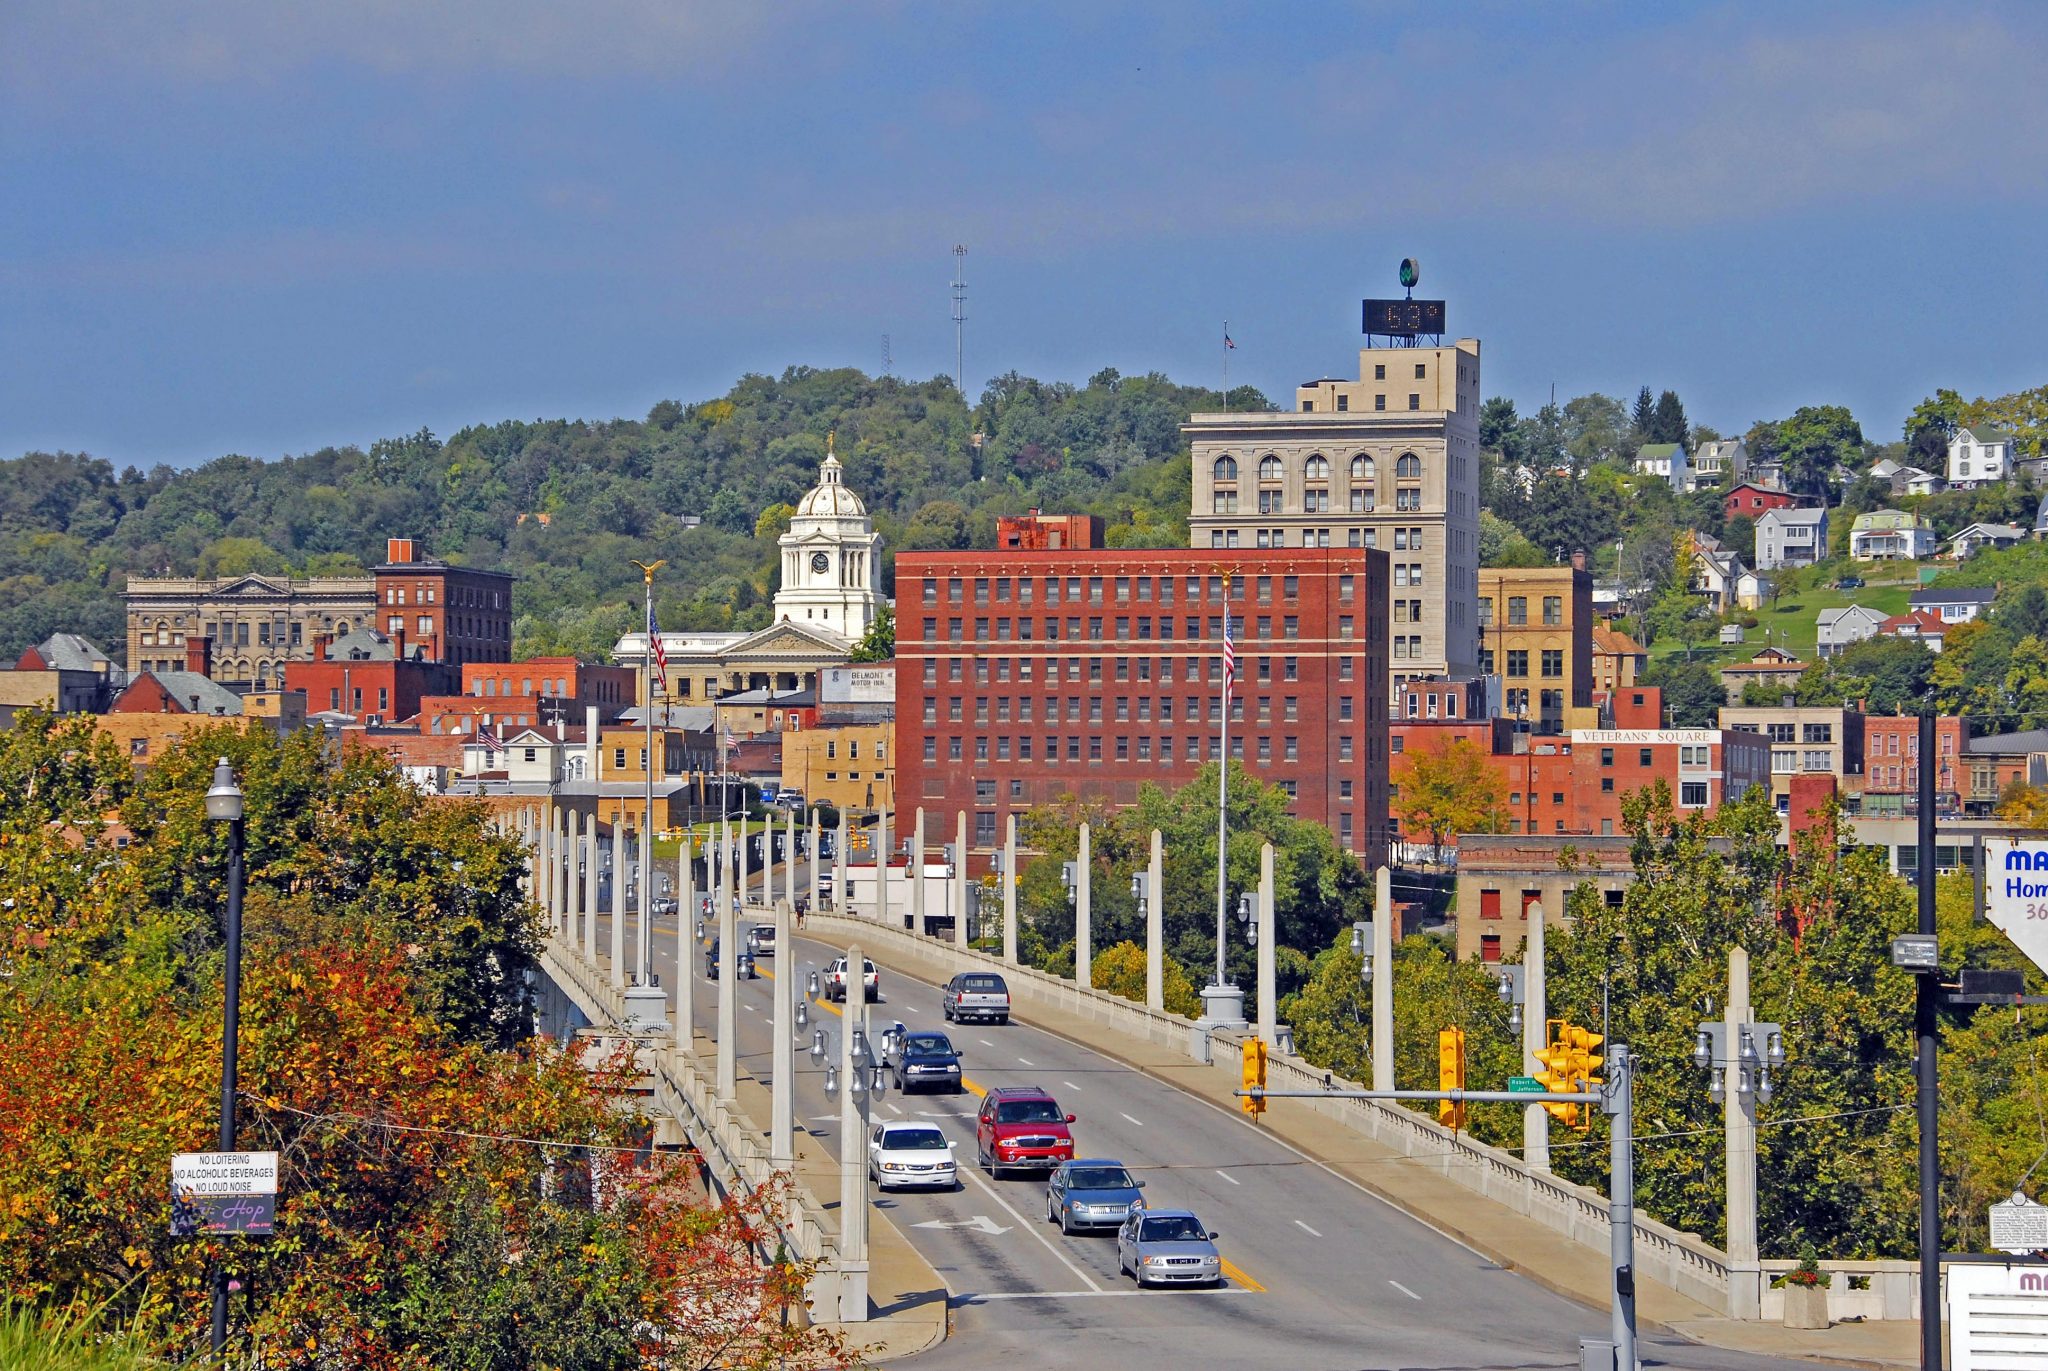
(830, 498)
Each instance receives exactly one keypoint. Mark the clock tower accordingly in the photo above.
(831, 559)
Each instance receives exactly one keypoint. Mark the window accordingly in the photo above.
(1269, 468)
(1225, 468)
(1518, 609)
(1379, 401)
(1223, 502)
(1408, 467)
(1414, 401)
(1553, 610)
(1817, 733)
(1518, 661)
(1317, 468)
(1553, 662)
(1692, 794)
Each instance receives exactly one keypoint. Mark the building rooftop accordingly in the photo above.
(70, 652)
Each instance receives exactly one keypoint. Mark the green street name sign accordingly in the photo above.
(1525, 1085)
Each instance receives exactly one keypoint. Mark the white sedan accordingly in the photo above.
(901, 1155)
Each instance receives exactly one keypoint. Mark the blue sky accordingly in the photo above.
(258, 227)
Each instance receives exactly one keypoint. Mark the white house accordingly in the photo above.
(1977, 537)
(1954, 605)
(1665, 461)
(1977, 456)
(1890, 535)
(1838, 628)
(1721, 576)
(1791, 537)
(1914, 481)
(1711, 462)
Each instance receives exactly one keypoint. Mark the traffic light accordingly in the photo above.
(1450, 1075)
(1581, 1064)
(1556, 1077)
(1254, 1074)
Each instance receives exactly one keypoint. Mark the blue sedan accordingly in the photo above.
(1095, 1193)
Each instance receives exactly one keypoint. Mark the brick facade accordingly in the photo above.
(1022, 677)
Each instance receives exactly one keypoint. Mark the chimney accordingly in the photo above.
(1578, 559)
(199, 654)
(398, 549)
(321, 641)
(398, 643)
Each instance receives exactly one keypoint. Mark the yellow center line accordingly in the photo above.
(974, 1088)
(1237, 1276)
(819, 1003)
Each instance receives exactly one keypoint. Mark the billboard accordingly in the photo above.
(857, 685)
(2016, 893)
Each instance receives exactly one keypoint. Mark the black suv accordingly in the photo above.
(925, 1059)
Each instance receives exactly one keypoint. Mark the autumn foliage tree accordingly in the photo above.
(453, 1192)
(1449, 789)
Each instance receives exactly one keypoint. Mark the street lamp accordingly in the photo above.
(1513, 993)
(1248, 915)
(1752, 1068)
(224, 805)
(1361, 943)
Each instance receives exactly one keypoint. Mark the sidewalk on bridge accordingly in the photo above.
(909, 1310)
(1492, 1230)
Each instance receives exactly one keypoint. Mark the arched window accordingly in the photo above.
(1364, 468)
(1269, 468)
(1409, 468)
(1318, 468)
(1226, 468)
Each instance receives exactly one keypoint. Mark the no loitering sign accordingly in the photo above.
(224, 1173)
(2016, 893)
(223, 1192)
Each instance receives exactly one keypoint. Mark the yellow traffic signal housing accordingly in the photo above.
(1583, 1062)
(1254, 1074)
(1556, 1076)
(1450, 1074)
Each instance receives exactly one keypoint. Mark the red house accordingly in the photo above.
(1750, 500)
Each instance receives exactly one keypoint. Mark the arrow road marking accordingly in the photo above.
(980, 1223)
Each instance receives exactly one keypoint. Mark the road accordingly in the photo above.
(1322, 1273)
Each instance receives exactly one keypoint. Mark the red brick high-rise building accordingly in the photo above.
(456, 615)
(1023, 676)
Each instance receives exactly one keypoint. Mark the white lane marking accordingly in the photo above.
(1404, 1290)
(1139, 1122)
(1071, 1086)
(985, 1042)
(913, 1009)
(1026, 1061)
(1228, 1177)
(1085, 1294)
(1306, 1229)
(892, 1109)
(974, 1175)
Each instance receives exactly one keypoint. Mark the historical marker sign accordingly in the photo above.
(2016, 893)
(2019, 1225)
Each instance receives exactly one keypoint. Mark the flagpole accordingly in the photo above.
(1226, 406)
(1223, 795)
(645, 951)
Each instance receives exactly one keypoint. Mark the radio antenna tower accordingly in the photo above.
(888, 358)
(960, 317)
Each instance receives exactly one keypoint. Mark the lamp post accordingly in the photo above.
(224, 805)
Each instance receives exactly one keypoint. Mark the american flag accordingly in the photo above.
(654, 649)
(1226, 338)
(1229, 656)
(487, 739)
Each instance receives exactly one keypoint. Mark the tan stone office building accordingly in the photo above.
(1536, 633)
(257, 622)
(1389, 461)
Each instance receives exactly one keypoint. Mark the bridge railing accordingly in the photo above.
(731, 1145)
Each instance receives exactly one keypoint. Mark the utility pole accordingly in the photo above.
(1926, 1003)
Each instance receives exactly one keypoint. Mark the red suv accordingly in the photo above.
(1021, 1128)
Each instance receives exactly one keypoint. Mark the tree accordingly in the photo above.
(878, 644)
(1643, 416)
(2024, 806)
(446, 1200)
(1693, 693)
(1447, 790)
(1120, 970)
(1812, 444)
(774, 522)
(1667, 424)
